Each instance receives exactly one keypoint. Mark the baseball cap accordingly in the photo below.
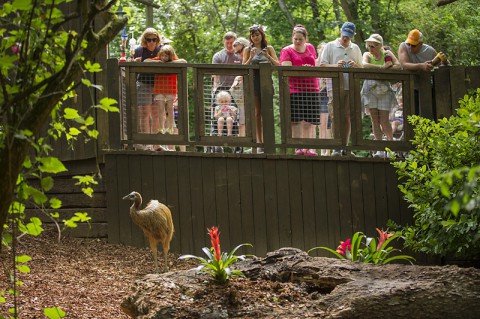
(348, 29)
(377, 38)
(414, 37)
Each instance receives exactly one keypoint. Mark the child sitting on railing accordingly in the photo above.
(225, 112)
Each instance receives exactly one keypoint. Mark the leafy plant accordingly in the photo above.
(440, 181)
(356, 250)
(218, 263)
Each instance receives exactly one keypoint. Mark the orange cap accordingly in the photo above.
(414, 37)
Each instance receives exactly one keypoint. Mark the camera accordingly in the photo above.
(346, 65)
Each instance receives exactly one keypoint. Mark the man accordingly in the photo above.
(414, 55)
(225, 56)
(342, 52)
(223, 82)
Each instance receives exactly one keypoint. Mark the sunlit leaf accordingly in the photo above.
(54, 313)
(51, 165)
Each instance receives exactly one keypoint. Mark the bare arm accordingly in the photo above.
(247, 55)
(271, 55)
(407, 65)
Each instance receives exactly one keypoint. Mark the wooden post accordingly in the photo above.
(266, 102)
(113, 86)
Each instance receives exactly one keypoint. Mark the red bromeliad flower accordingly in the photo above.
(215, 240)
(344, 246)
(382, 237)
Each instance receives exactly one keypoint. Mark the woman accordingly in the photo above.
(304, 91)
(148, 49)
(378, 97)
(237, 88)
(258, 51)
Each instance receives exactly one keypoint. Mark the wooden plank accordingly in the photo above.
(96, 214)
(425, 95)
(197, 199)
(321, 212)
(345, 202)
(333, 205)
(443, 102)
(234, 204)
(296, 205)
(356, 193)
(221, 199)
(308, 235)
(393, 194)
(369, 208)
(285, 188)
(137, 237)
(260, 221)
(123, 188)
(208, 182)
(184, 210)
(457, 83)
(78, 200)
(380, 195)
(271, 208)
(173, 200)
(472, 75)
(246, 197)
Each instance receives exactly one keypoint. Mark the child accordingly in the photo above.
(225, 112)
(165, 89)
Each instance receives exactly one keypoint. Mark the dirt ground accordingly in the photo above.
(89, 278)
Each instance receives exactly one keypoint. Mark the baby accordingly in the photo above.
(224, 112)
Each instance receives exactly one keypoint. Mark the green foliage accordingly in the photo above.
(439, 179)
(356, 250)
(42, 64)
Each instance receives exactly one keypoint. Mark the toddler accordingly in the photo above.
(224, 112)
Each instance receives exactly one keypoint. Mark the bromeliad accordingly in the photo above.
(218, 264)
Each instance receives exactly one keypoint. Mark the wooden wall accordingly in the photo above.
(269, 201)
(74, 200)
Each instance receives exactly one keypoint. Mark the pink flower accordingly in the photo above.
(215, 240)
(344, 246)
(382, 237)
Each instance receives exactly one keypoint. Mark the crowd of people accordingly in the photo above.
(312, 105)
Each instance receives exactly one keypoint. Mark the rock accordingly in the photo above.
(288, 283)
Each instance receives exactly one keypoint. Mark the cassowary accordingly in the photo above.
(156, 222)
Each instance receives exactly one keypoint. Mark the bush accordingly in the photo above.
(439, 179)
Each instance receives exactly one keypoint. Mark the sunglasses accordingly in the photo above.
(412, 45)
(151, 39)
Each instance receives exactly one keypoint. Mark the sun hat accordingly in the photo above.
(414, 37)
(348, 29)
(377, 38)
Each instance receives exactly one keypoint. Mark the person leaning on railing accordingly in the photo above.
(342, 52)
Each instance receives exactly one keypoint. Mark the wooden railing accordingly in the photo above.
(195, 99)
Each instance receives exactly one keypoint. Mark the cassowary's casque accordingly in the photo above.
(156, 222)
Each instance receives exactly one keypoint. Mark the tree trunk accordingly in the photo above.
(13, 154)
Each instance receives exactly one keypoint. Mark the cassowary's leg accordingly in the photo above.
(153, 248)
(166, 248)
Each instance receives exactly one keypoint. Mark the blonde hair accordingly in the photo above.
(223, 95)
(168, 49)
(148, 33)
